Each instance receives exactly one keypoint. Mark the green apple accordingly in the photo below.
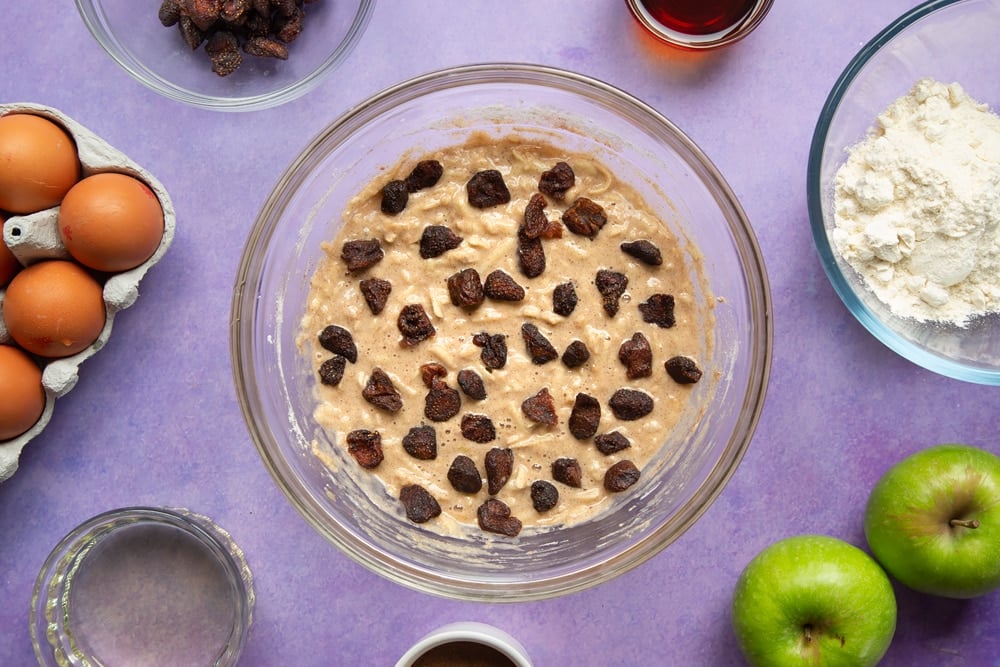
(933, 521)
(813, 600)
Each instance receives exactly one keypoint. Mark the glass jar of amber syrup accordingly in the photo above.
(699, 24)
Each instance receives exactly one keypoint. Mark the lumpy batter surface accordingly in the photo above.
(489, 242)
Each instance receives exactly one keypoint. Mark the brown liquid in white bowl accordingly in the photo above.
(463, 654)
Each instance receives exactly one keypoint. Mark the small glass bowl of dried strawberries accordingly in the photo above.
(455, 406)
(237, 55)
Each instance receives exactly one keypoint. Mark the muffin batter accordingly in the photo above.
(489, 241)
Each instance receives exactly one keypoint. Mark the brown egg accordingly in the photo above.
(23, 396)
(54, 308)
(38, 163)
(111, 222)
(8, 262)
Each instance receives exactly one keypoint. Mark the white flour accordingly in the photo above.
(918, 204)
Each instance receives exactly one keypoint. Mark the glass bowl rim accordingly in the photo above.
(77, 541)
(868, 319)
(424, 579)
(91, 13)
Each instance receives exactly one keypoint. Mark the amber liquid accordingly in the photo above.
(698, 17)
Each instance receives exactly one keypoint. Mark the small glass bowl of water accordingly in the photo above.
(143, 586)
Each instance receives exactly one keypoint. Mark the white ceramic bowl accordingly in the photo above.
(477, 633)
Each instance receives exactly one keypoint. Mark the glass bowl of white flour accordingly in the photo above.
(904, 188)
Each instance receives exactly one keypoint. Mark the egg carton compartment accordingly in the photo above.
(35, 237)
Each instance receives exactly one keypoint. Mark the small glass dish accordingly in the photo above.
(158, 57)
(947, 40)
(143, 586)
(466, 643)
(701, 29)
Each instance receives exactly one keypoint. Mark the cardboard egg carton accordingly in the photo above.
(35, 237)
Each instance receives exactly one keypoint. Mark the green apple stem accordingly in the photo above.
(964, 523)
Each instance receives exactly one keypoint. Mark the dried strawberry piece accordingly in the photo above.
(500, 286)
(557, 180)
(394, 197)
(486, 188)
(494, 517)
(478, 428)
(630, 404)
(585, 416)
(289, 27)
(361, 254)
(609, 443)
(466, 289)
(637, 356)
(380, 392)
(576, 354)
(376, 293)
(414, 324)
(585, 217)
(419, 504)
(464, 476)
(366, 447)
(530, 255)
(234, 10)
(553, 231)
(263, 46)
(683, 370)
(612, 286)
(499, 464)
(338, 340)
(436, 240)
(430, 372)
(494, 354)
(331, 371)
(442, 402)
(540, 408)
(539, 348)
(224, 50)
(659, 310)
(169, 13)
(567, 471)
(190, 33)
(644, 251)
(470, 383)
(420, 442)
(544, 495)
(621, 476)
(535, 221)
(425, 174)
(256, 24)
(262, 7)
(284, 7)
(564, 299)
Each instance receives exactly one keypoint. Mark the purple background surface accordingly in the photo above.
(155, 419)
